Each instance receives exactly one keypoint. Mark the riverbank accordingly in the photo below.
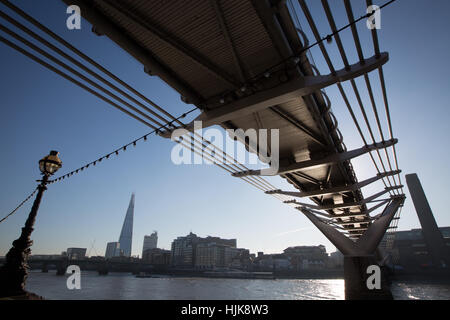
(236, 274)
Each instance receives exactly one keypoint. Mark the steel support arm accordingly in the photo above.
(356, 229)
(344, 205)
(361, 214)
(353, 187)
(345, 223)
(283, 93)
(311, 164)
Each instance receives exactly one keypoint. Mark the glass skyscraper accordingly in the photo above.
(126, 234)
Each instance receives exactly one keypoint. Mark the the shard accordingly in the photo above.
(126, 234)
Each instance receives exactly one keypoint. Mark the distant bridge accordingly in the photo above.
(101, 266)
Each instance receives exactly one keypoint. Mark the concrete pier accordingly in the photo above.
(356, 276)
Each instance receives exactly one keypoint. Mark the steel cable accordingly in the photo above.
(333, 71)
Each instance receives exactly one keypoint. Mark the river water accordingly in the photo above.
(117, 286)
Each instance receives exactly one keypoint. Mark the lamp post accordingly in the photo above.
(14, 272)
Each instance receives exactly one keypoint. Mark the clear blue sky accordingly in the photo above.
(40, 111)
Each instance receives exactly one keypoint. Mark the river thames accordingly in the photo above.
(122, 286)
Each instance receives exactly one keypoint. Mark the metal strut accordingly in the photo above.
(344, 205)
(283, 93)
(335, 190)
(311, 164)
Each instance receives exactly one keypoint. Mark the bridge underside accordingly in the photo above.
(241, 62)
(214, 52)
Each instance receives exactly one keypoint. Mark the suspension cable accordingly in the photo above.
(60, 52)
(318, 42)
(75, 62)
(78, 74)
(84, 87)
(333, 71)
(376, 47)
(81, 54)
(369, 89)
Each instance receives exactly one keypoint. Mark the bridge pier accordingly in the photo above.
(103, 270)
(60, 271)
(356, 276)
(61, 268)
(44, 268)
(137, 269)
(360, 262)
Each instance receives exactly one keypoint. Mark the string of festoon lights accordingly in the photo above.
(100, 159)
(122, 149)
(19, 206)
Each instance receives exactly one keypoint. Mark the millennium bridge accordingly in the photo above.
(247, 64)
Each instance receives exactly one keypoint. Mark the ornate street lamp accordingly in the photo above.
(50, 164)
(14, 272)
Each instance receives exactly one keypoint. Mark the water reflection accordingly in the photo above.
(125, 286)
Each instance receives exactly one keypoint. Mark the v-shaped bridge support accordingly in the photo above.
(360, 264)
(368, 242)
